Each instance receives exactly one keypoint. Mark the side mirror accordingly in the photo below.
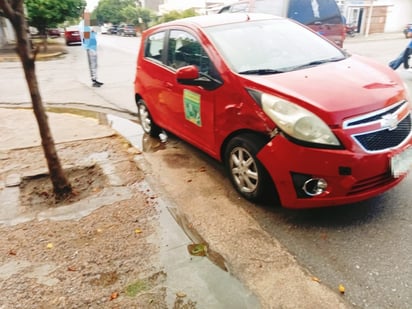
(187, 73)
(190, 75)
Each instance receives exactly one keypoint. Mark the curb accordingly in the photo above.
(14, 58)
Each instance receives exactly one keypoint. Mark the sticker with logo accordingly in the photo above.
(191, 101)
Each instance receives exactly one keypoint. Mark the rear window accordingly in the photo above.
(311, 11)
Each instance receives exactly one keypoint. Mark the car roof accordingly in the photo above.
(205, 21)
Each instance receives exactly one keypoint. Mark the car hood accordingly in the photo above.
(336, 90)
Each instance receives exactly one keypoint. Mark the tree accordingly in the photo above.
(146, 17)
(14, 11)
(109, 11)
(173, 15)
(137, 16)
(44, 14)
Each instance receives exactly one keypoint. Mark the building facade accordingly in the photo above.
(377, 16)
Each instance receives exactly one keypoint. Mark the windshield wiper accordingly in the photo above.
(317, 62)
(261, 72)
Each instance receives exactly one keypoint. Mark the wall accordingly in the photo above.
(398, 15)
(6, 32)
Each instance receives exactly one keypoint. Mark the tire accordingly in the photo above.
(247, 174)
(146, 121)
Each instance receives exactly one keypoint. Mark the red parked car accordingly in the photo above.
(72, 35)
(288, 112)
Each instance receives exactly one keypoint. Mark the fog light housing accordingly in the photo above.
(315, 186)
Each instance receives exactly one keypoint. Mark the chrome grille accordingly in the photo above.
(384, 139)
(392, 132)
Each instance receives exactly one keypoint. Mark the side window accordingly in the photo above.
(184, 49)
(154, 46)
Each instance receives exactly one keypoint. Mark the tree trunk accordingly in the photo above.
(15, 13)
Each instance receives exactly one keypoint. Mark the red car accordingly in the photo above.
(289, 114)
(72, 35)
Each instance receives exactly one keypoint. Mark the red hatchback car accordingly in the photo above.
(289, 114)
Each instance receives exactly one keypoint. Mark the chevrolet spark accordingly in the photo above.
(289, 113)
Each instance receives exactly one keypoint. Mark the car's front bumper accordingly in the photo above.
(350, 177)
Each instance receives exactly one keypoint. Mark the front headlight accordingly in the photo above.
(297, 122)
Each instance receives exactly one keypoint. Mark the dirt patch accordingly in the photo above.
(107, 259)
(37, 191)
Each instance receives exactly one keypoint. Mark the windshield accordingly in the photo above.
(271, 46)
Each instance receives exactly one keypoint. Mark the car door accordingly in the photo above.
(191, 109)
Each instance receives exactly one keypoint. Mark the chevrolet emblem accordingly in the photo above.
(389, 121)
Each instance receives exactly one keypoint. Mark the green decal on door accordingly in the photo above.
(191, 100)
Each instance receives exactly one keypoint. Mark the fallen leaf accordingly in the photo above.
(316, 279)
(138, 231)
(181, 294)
(197, 249)
(44, 194)
(49, 245)
(114, 295)
(341, 289)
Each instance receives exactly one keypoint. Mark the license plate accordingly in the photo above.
(401, 163)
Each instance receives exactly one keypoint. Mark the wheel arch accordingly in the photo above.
(262, 138)
(137, 97)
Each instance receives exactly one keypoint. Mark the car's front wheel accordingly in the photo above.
(146, 121)
(247, 174)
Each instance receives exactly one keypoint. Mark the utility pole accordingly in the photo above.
(369, 20)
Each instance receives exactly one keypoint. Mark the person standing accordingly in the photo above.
(89, 43)
(91, 47)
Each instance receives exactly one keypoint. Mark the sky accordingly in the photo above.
(91, 5)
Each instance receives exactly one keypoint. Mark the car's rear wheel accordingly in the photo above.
(247, 174)
(146, 121)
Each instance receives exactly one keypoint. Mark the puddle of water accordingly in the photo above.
(133, 132)
(200, 279)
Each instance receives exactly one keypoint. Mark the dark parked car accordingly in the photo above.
(113, 29)
(72, 35)
(126, 30)
(407, 31)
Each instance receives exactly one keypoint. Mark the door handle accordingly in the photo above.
(168, 85)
